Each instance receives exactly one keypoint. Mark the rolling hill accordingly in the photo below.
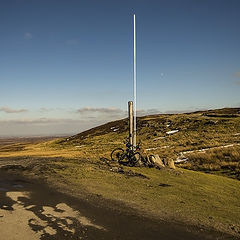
(203, 141)
(208, 141)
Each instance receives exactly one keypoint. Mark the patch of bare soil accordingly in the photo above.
(29, 209)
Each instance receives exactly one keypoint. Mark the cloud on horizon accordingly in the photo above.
(87, 110)
(142, 112)
(44, 126)
(43, 121)
(48, 110)
(10, 110)
(90, 112)
(88, 118)
(179, 111)
(101, 114)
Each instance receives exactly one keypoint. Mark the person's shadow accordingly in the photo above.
(6, 203)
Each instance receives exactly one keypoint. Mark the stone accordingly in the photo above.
(156, 160)
(170, 163)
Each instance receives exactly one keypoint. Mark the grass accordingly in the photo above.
(173, 195)
(210, 200)
(221, 160)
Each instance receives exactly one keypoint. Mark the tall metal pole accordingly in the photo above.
(134, 84)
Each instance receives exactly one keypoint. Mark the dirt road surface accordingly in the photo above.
(31, 210)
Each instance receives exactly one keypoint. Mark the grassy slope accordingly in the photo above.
(200, 130)
(183, 195)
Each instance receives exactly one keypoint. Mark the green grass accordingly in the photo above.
(196, 131)
(182, 195)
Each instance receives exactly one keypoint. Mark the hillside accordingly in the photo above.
(204, 140)
(153, 121)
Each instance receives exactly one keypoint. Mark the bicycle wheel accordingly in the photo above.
(116, 154)
(124, 159)
(135, 159)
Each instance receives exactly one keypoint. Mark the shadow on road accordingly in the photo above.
(32, 210)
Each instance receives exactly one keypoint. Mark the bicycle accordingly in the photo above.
(129, 157)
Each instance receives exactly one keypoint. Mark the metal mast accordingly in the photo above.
(134, 84)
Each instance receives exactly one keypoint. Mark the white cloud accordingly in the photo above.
(178, 111)
(87, 110)
(113, 112)
(101, 114)
(142, 112)
(88, 118)
(45, 126)
(46, 110)
(42, 121)
(10, 110)
(28, 35)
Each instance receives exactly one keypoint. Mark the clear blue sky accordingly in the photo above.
(66, 65)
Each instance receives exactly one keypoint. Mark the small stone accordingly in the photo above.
(114, 169)
(170, 163)
(157, 161)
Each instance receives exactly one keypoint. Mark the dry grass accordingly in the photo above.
(191, 197)
(196, 131)
(222, 160)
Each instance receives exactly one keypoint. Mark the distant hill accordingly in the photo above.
(208, 140)
(157, 124)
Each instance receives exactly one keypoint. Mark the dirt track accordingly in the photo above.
(31, 210)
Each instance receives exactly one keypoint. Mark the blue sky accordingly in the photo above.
(66, 65)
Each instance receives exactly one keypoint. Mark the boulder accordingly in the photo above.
(170, 163)
(156, 160)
